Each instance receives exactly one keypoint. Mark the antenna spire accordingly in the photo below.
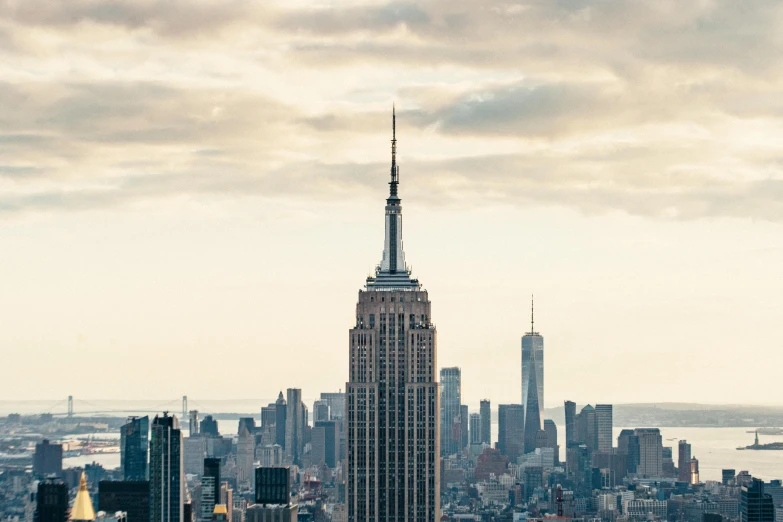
(532, 330)
(394, 170)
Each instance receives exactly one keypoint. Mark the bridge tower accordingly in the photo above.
(70, 405)
(184, 407)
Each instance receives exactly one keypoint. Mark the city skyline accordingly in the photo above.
(169, 188)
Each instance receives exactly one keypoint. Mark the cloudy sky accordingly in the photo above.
(191, 193)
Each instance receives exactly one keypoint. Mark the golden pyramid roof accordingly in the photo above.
(82, 506)
(220, 509)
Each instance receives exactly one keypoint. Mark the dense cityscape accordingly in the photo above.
(399, 444)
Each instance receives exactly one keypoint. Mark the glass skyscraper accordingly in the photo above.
(134, 448)
(167, 474)
(450, 418)
(532, 384)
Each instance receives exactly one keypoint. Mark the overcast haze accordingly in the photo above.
(192, 193)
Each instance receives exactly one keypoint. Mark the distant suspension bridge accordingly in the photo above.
(94, 409)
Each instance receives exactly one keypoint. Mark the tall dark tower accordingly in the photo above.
(167, 473)
(134, 448)
(392, 433)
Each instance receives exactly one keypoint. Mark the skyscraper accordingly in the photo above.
(210, 488)
(281, 414)
(331, 441)
(684, 461)
(511, 430)
(209, 427)
(755, 505)
(450, 401)
(532, 384)
(486, 422)
(550, 428)
(131, 497)
(134, 448)
(48, 459)
(167, 477)
(603, 427)
(475, 428)
(628, 444)
(463, 426)
(246, 451)
(336, 402)
(294, 426)
(650, 452)
(193, 427)
(586, 429)
(570, 422)
(51, 501)
(393, 418)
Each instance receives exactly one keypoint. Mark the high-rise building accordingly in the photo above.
(281, 413)
(727, 476)
(463, 423)
(246, 455)
(393, 418)
(210, 488)
(48, 459)
(209, 427)
(273, 485)
(133, 498)
(475, 428)
(167, 477)
(294, 426)
(684, 461)
(650, 452)
(247, 422)
(532, 384)
(51, 501)
(321, 411)
(694, 472)
(570, 422)
(194, 452)
(331, 435)
(550, 429)
(336, 402)
(755, 505)
(271, 456)
(511, 430)
(450, 401)
(268, 416)
(134, 448)
(193, 425)
(628, 444)
(227, 499)
(586, 429)
(603, 427)
(486, 421)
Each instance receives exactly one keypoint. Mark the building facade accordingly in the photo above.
(134, 448)
(167, 473)
(683, 461)
(603, 428)
(475, 428)
(450, 419)
(485, 410)
(294, 426)
(650, 452)
(511, 430)
(48, 459)
(393, 418)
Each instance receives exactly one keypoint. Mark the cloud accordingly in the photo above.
(659, 109)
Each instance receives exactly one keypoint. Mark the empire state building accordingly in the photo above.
(393, 443)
